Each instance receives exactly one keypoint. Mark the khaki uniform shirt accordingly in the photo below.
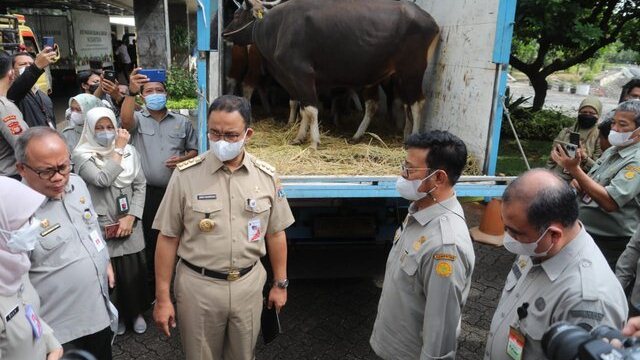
(588, 142)
(69, 269)
(627, 268)
(11, 127)
(427, 280)
(16, 336)
(244, 205)
(156, 141)
(576, 285)
(104, 195)
(71, 135)
(618, 170)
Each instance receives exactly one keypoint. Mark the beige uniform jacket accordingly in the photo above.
(104, 194)
(427, 281)
(244, 206)
(16, 336)
(576, 285)
(11, 127)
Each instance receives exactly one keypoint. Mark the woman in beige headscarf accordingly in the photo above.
(24, 334)
(111, 168)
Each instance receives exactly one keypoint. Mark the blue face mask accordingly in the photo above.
(105, 138)
(155, 101)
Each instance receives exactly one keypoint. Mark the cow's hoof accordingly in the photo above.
(313, 147)
(296, 142)
(354, 140)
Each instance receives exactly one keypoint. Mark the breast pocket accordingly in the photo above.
(207, 216)
(52, 249)
(259, 209)
(146, 129)
(409, 269)
(176, 138)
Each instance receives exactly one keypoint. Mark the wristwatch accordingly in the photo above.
(119, 151)
(282, 284)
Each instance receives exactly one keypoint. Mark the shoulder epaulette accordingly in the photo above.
(189, 163)
(269, 169)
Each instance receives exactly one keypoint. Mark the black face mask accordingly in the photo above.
(586, 121)
(93, 88)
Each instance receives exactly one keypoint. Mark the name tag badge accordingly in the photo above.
(34, 321)
(12, 313)
(123, 204)
(586, 198)
(253, 230)
(515, 343)
(207, 197)
(96, 240)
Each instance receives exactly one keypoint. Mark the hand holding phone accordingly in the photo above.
(154, 75)
(48, 41)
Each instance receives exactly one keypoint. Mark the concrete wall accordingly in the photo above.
(151, 33)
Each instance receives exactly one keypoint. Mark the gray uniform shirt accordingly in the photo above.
(67, 270)
(627, 268)
(427, 280)
(576, 285)
(16, 336)
(156, 141)
(104, 195)
(71, 135)
(11, 127)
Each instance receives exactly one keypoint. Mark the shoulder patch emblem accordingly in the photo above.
(540, 304)
(444, 269)
(15, 128)
(629, 175)
(189, 163)
(264, 167)
(8, 118)
(444, 256)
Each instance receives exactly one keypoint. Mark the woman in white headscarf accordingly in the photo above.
(24, 334)
(76, 114)
(111, 168)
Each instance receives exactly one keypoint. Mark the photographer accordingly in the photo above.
(609, 201)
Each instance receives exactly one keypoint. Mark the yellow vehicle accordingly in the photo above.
(16, 36)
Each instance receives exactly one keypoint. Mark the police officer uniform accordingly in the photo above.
(22, 338)
(68, 269)
(575, 285)
(11, 127)
(427, 280)
(221, 219)
(618, 170)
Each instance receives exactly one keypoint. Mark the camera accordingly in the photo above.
(564, 341)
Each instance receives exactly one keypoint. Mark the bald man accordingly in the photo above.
(559, 274)
(70, 265)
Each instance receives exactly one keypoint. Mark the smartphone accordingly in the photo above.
(47, 41)
(569, 148)
(574, 138)
(109, 75)
(154, 75)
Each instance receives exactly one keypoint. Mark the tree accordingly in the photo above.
(553, 35)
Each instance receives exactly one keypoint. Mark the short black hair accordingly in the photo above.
(446, 151)
(626, 88)
(84, 75)
(15, 56)
(604, 127)
(554, 202)
(231, 103)
(5, 64)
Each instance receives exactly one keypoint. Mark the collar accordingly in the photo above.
(628, 150)
(215, 164)
(555, 265)
(429, 213)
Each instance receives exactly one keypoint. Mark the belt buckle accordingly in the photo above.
(233, 275)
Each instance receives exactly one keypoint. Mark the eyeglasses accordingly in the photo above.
(48, 174)
(230, 137)
(405, 171)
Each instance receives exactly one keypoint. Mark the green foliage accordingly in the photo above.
(510, 160)
(182, 104)
(536, 125)
(181, 84)
(181, 42)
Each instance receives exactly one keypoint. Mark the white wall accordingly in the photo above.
(460, 79)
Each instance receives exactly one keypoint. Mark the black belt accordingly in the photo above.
(232, 275)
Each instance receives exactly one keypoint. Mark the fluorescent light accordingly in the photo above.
(122, 20)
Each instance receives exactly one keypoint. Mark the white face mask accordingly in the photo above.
(76, 118)
(620, 138)
(21, 70)
(529, 249)
(25, 238)
(408, 189)
(225, 150)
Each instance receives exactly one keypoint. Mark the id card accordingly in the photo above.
(253, 230)
(96, 240)
(515, 343)
(123, 204)
(586, 198)
(34, 321)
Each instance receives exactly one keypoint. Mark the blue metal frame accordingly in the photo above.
(501, 55)
(203, 41)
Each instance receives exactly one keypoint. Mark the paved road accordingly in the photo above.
(332, 318)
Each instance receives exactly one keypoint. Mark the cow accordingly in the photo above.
(340, 43)
(246, 69)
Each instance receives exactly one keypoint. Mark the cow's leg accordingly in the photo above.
(231, 86)
(408, 120)
(293, 112)
(397, 113)
(416, 112)
(370, 108)
(264, 99)
(247, 92)
(309, 116)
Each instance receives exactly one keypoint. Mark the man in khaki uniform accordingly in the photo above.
(218, 211)
(588, 115)
(12, 124)
(610, 192)
(428, 273)
(559, 274)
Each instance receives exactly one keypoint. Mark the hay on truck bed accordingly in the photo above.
(375, 155)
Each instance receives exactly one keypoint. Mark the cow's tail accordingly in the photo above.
(433, 47)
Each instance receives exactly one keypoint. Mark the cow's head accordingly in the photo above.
(239, 30)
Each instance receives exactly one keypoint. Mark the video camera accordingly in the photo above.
(564, 341)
